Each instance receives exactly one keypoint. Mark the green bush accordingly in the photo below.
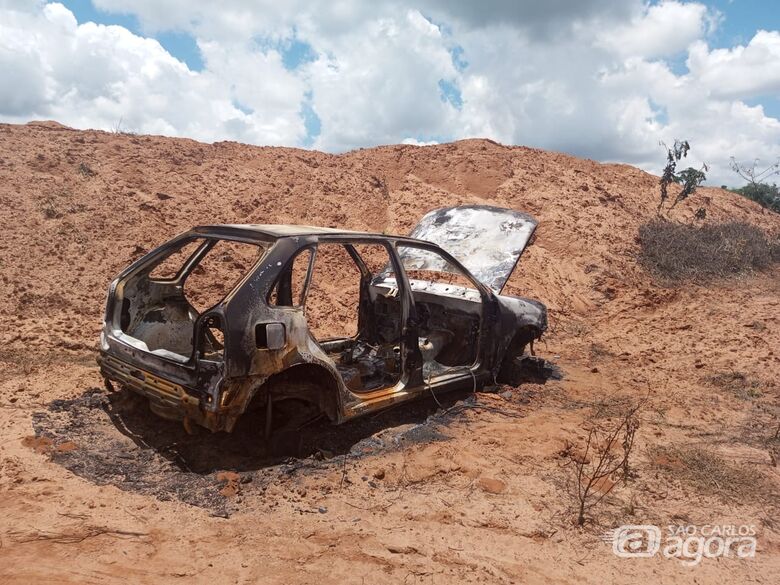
(764, 194)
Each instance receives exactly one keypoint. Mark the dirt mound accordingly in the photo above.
(79, 206)
(81, 470)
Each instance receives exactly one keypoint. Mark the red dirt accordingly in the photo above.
(489, 504)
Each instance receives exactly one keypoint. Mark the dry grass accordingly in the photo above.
(681, 252)
(713, 475)
(737, 383)
(86, 171)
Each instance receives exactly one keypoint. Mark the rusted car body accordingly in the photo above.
(417, 330)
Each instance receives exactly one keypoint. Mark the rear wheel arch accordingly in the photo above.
(309, 382)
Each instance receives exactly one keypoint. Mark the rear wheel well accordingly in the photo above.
(310, 383)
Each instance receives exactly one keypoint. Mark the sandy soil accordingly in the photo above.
(95, 490)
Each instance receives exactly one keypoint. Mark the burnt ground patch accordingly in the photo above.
(112, 438)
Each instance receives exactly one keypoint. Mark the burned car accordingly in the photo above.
(226, 321)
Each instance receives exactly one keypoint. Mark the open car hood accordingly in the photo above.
(487, 240)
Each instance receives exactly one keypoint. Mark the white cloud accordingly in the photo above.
(716, 128)
(415, 142)
(94, 76)
(741, 71)
(380, 83)
(662, 30)
(590, 77)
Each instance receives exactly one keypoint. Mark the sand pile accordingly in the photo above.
(97, 490)
(79, 206)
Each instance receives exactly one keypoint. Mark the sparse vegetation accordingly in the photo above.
(762, 193)
(680, 252)
(758, 189)
(119, 128)
(677, 252)
(86, 171)
(50, 208)
(689, 178)
(736, 382)
(773, 446)
(604, 461)
(713, 475)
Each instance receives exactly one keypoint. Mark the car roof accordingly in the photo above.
(276, 231)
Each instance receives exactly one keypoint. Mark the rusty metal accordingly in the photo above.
(422, 337)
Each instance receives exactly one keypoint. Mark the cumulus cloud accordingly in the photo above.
(98, 76)
(381, 83)
(741, 71)
(593, 78)
(662, 30)
(683, 107)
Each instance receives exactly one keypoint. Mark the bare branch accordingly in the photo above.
(611, 449)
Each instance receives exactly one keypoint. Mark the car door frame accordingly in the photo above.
(405, 300)
(482, 365)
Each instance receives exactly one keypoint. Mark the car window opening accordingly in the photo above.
(162, 302)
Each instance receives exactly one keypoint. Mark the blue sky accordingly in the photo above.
(740, 20)
(595, 78)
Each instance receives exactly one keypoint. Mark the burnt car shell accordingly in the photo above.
(268, 354)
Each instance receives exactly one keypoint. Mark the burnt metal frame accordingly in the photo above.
(290, 245)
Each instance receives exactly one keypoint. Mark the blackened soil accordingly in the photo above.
(119, 441)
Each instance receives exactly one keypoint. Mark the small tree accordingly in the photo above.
(764, 194)
(758, 189)
(689, 178)
(753, 173)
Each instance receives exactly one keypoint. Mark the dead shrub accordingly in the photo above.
(50, 208)
(603, 461)
(86, 171)
(681, 252)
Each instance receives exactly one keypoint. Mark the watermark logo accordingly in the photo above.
(633, 540)
(689, 544)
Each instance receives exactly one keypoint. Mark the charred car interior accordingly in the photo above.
(291, 323)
